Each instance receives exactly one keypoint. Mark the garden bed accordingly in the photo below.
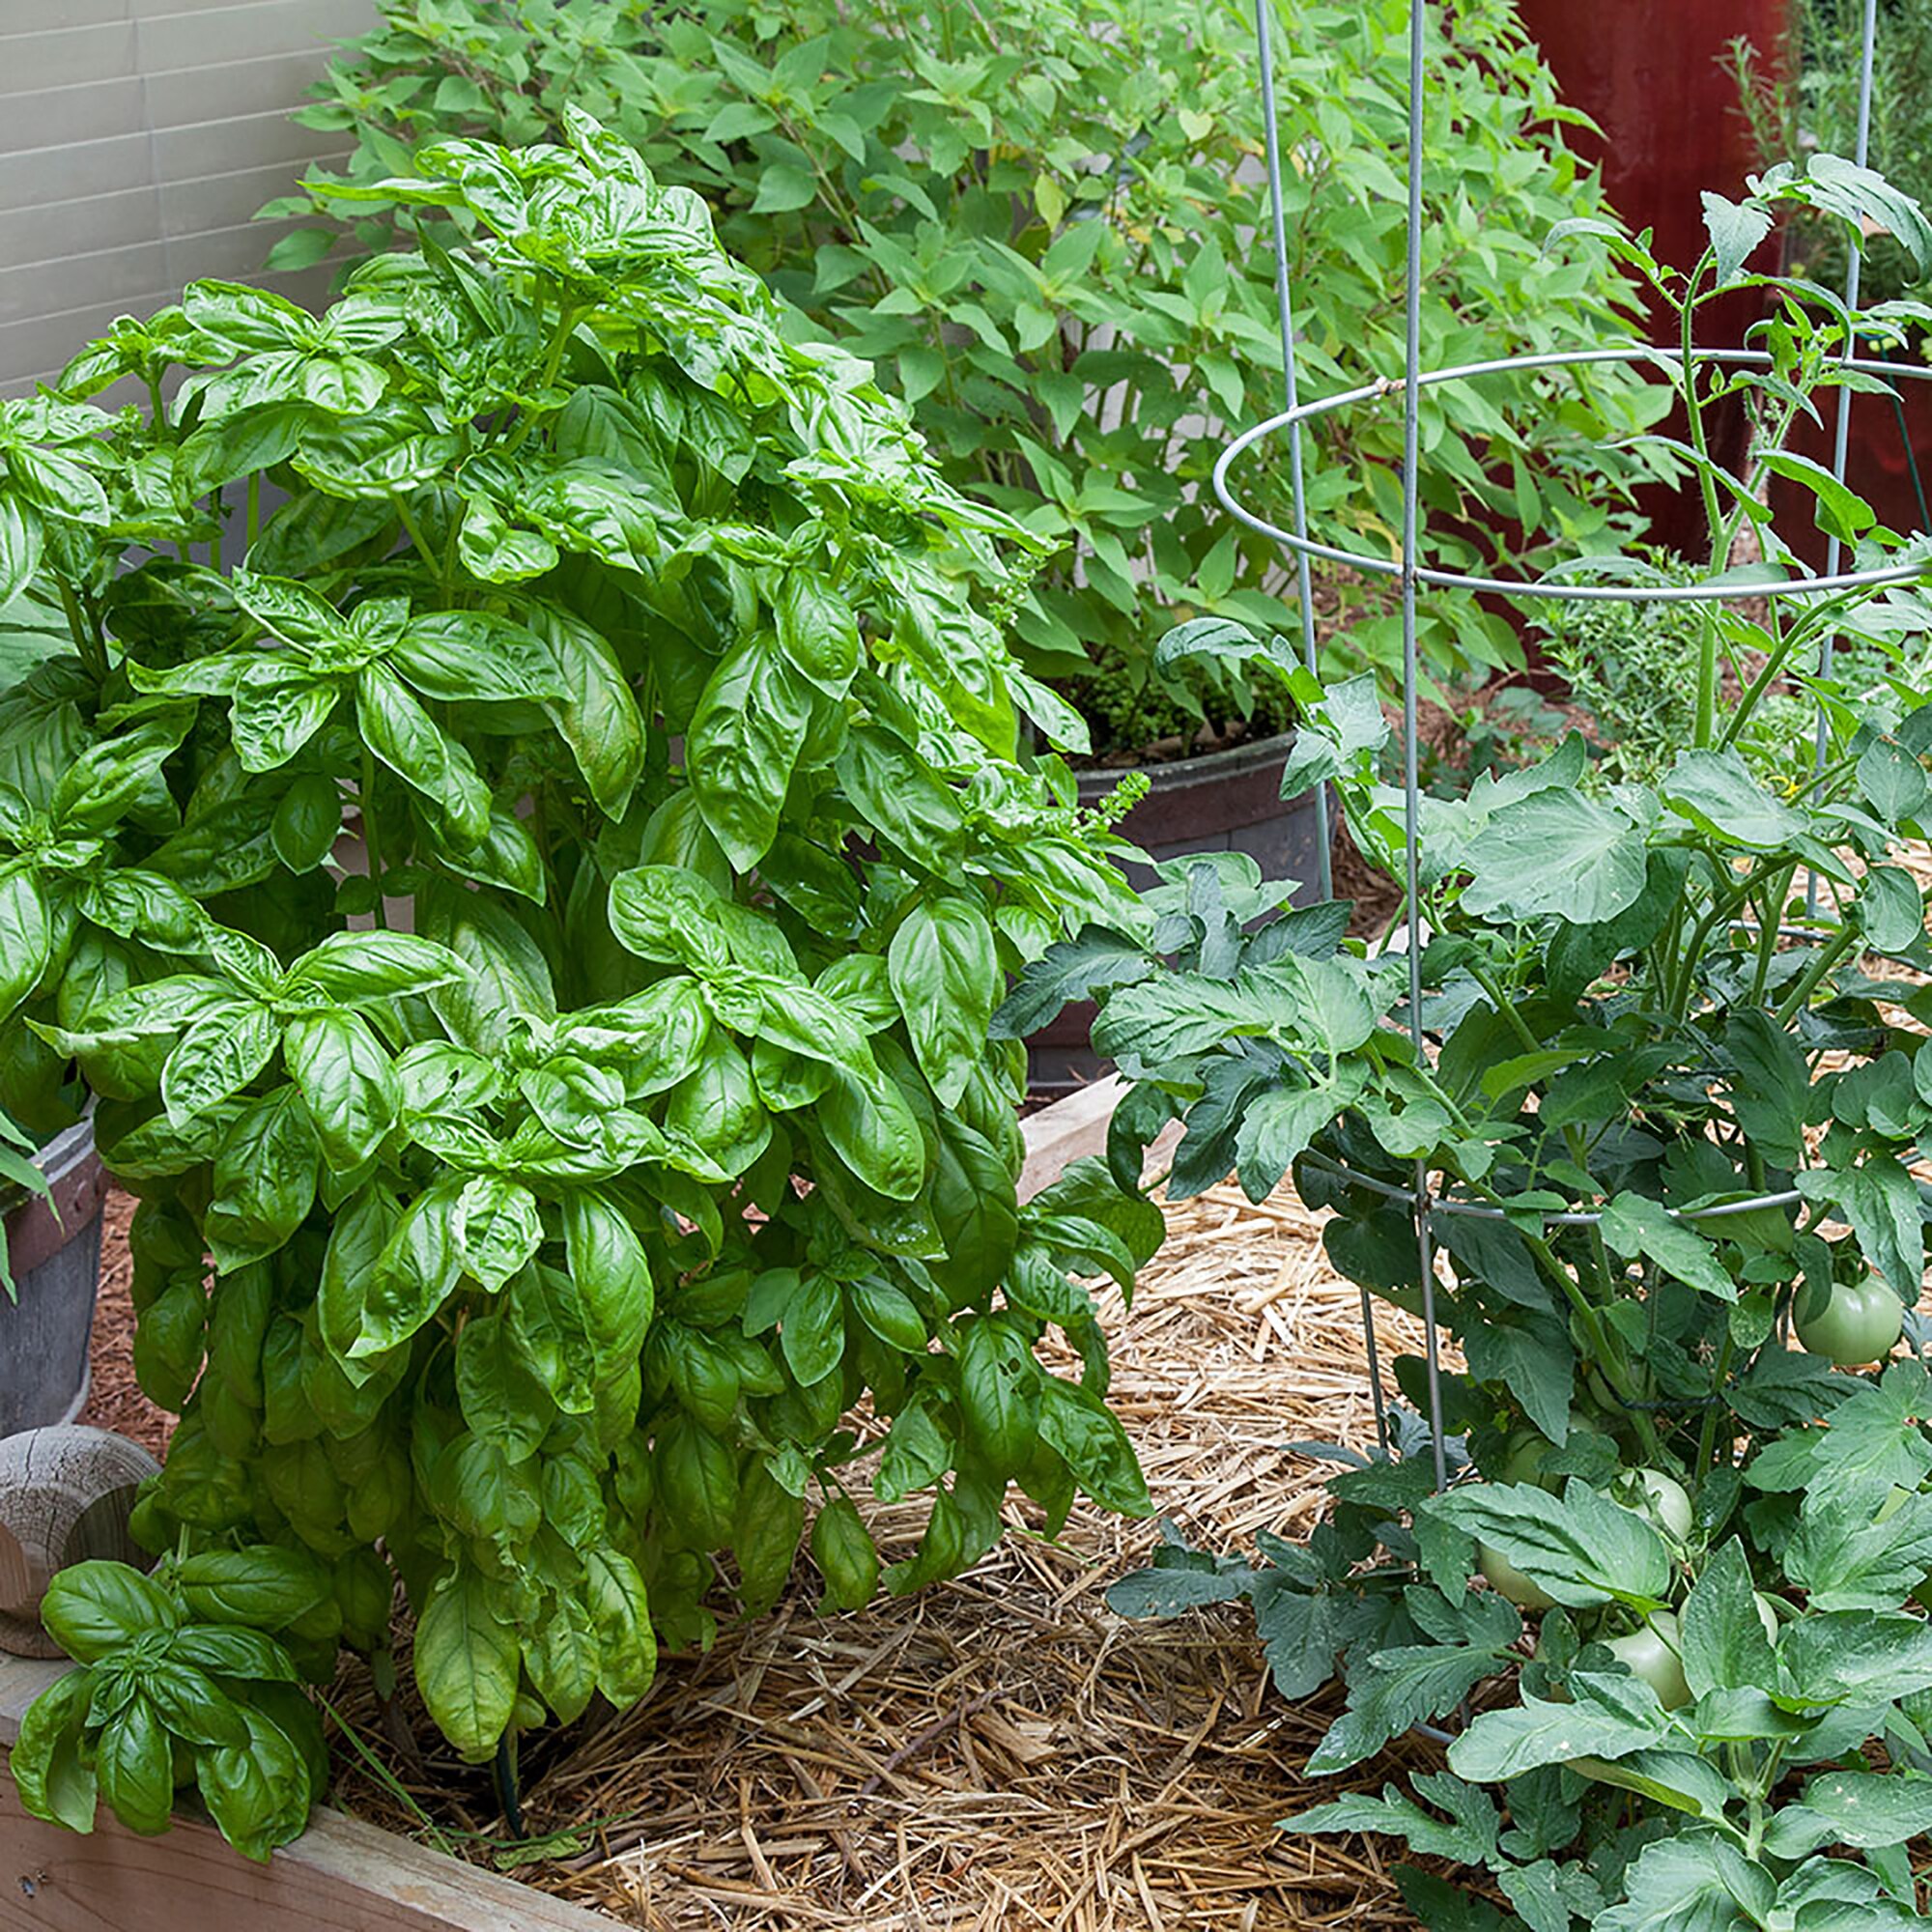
(1000, 1751)
(997, 1751)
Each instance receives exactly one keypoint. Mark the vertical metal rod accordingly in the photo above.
(1285, 316)
(1284, 302)
(1842, 433)
(1412, 487)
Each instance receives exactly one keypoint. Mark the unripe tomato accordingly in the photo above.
(1662, 1499)
(1506, 1578)
(1654, 1653)
(1524, 1459)
(1859, 1323)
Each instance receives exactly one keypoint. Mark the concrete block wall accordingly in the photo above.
(137, 137)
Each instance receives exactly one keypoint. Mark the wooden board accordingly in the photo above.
(1069, 1130)
(341, 1875)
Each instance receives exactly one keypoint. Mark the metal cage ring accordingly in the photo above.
(1711, 591)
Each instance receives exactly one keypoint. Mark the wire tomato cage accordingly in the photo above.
(1406, 568)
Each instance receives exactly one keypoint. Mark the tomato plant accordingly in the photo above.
(522, 841)
(1668, 1082)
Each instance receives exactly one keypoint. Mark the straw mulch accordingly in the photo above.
(1003, 1751)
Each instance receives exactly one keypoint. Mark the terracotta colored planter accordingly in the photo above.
(1647, 73)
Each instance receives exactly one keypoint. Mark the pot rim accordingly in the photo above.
(1203, 767)
(60, 1159)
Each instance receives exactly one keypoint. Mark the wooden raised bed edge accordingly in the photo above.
(341, 1875)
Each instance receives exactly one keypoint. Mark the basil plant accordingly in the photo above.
(1668, 1085)
(520, 822)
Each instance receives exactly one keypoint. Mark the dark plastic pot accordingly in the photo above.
(53, 1248)
(1226, 802)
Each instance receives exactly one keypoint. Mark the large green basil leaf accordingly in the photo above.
(356, 1240)
(620, 1614)
(716, 1112)
(818, 629)
(502, 1396)
(745, 738)
(134, 1762)
(456, 657)
(978, 1214)
(653, 1039)
(1085, 1433)
(416, 1271)
(19, 553)
(873, 1129)
(562, 1655)
(49, 1774)
(666, 914)
(845, 1554)
(613, 1274)
(499, 1228)
(25, 937)
(945, 977)
(552, 1327)
(359, 969)
(265, 1177)
(346, 1080)
(407, 740)
(771, 1520)
(466, 1665)
(911, 808)
(94, 1609)
(698, 1485)
(999, 1393)
(268, 1587)
(97, 789)
(258, 1791)
(597, 716)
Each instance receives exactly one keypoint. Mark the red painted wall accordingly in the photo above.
(1647, 73)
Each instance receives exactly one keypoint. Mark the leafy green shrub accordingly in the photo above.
(1668, 1120)
(1039, 222)
(638, 1155)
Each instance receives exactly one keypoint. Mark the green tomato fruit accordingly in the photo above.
(1654, 1653)
(1859, 1323)
(1524, 1459)
(1509, 1582)
(1659, 1500)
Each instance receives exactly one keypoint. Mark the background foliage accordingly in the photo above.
(1038, 219)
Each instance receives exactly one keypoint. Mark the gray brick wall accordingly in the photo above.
(137, 139)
